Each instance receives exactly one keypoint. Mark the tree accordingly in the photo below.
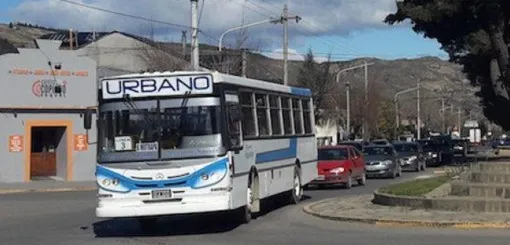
(160, 56)
(316, 77)
(386, 121)
(11, 25)
(475, 34)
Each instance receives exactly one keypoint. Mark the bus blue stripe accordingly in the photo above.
(300, 91)
(280, 154)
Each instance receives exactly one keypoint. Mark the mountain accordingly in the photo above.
(385, 77)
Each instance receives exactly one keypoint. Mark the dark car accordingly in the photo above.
(382, 161)
(358, 145)
(444, 146)
(431, 152)
(381, 142)
(460, 147)
(411, 155)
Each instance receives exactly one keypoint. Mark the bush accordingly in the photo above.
(417, 187)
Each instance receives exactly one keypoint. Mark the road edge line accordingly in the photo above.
(405, 223)
(15, 191)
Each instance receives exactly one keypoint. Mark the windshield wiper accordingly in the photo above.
(129, 101)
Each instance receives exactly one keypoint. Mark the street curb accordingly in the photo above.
(14, 191)
(406, 223)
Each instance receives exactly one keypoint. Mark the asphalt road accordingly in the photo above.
(68, 218)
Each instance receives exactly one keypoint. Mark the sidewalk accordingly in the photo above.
(47, 186)
(361, 209)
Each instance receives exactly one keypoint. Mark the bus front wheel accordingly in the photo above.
(244, 214)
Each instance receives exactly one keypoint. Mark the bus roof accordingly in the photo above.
(221, 78)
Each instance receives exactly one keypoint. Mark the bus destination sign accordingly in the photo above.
(157, 86)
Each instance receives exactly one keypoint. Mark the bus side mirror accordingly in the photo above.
(235, 113)
(87, 119)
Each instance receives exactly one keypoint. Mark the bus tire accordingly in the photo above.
(297, 188)
(245, 212)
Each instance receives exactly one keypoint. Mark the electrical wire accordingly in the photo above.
(125, 15)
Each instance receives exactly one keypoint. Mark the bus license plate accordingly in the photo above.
(161, 194)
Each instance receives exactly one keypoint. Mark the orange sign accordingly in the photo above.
(15, 143)
(80, 142)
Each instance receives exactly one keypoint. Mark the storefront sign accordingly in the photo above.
(80, 142)
(15, 143)
(49, 88)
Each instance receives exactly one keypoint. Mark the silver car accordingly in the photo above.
(382, 161)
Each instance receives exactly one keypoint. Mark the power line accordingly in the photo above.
(244, 5)
(125, 15)
(201, 11)
(312, 35)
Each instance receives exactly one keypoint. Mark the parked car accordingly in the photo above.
(340, 165)
(411, 156)
(382, 161)
(444, 146)
(381, 142)
(356, 144)
(431, 152)
(461, 147)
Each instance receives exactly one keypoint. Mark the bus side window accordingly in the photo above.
(234, 126)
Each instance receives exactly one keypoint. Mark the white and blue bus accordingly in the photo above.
(193, 142)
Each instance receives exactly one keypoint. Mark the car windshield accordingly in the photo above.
(427, 145)
(378, 151)
(146, 132)
(406, 147)
(353, 144)
(333, 154)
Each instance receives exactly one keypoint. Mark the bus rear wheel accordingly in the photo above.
(297, 189)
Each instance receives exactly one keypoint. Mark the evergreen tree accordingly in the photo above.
(475, 34)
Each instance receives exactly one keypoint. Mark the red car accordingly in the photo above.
(340, 164)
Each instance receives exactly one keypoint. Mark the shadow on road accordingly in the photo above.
(179, 225)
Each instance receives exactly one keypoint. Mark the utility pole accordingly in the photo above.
(195, 58)
(285, 20)
(397, 119)
(348, 96)
(418, 121)
(443, 118)
(243, 62)
(184, 43)
(458, 119)
(364, 128)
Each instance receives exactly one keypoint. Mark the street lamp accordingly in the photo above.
(337, 79)
(397, 118)
(270, 20)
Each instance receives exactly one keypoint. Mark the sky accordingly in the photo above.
(344, 29)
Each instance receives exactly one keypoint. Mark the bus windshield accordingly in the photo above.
(148, 132)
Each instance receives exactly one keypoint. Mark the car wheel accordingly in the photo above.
(348, 185)
(363, 179)
(394, 173)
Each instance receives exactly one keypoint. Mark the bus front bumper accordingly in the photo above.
(119, 208)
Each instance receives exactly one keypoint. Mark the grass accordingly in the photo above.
(417, 187)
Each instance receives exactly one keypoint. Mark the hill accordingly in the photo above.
(386, 77)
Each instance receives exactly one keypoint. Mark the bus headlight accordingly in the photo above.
(210, 175)
(111, 184)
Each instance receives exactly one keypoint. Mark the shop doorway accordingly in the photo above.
(48, 151)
